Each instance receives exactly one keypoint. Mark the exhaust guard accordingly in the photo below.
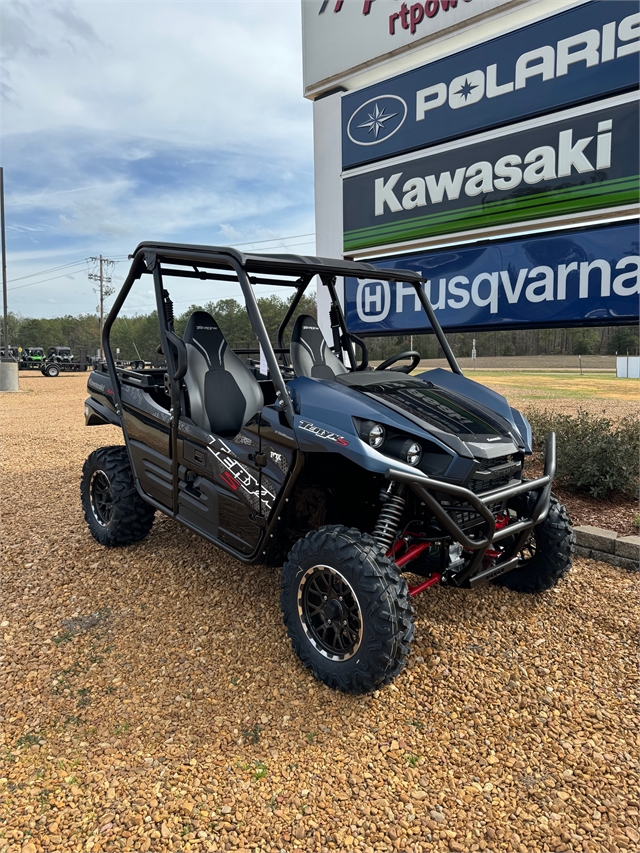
(423, 486)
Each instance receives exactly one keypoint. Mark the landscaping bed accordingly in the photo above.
(152, 701)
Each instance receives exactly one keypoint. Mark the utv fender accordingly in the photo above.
(97, 414)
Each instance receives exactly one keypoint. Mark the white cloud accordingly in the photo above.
(126, 121)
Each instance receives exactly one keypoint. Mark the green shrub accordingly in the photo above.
(596, 456)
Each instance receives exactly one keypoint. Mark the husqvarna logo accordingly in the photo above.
(373, 300)
(376, 120)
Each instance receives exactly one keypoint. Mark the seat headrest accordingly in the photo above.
(306, 327)
(204, 333)
(310, 354)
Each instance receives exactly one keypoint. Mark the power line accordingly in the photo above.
(44, 280)
(272, 239)
(52, 269)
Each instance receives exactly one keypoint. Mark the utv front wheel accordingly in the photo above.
(546, 556)
(113, 509)
(347, 609)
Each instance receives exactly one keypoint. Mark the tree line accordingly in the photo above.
(137, 336)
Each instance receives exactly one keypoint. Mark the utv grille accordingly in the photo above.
(465, 516)
(494, 473)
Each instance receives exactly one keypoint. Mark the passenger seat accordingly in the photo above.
(223, 393)
(310, 354)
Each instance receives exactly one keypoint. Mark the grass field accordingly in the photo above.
(566, 392)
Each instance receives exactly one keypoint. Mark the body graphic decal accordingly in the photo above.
(235, 475)
(323, 433)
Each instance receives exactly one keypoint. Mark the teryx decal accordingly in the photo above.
(236, 475)
(323, 433)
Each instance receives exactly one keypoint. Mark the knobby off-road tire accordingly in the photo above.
(113, 509)
(347, 609)
(547, 556)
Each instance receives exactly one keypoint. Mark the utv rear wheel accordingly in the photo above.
(113, 509)
(347, 609)
(546, 556)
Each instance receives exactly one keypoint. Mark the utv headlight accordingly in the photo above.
(376, 435)
(405, 449)
(414, 453)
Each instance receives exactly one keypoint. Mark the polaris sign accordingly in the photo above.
(578, 55)
(588, 277)
(586, 159)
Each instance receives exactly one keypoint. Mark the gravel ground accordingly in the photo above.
(152, 700)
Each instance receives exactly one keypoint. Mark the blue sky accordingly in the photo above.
(126, 120)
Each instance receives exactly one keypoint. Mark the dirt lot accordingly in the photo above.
(152, 701)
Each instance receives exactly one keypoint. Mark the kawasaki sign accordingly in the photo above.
(585, 53)
(585, 277)
(586, 160)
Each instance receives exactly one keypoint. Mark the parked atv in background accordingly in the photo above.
(31, 358)
(61, 355)
(348, 477)
(61, 359)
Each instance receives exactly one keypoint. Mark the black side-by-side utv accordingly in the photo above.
(348, 475)
(61, 360)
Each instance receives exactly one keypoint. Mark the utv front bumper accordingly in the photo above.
(472, 574)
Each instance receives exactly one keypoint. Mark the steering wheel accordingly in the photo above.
(412, 354)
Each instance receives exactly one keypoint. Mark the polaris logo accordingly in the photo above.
(377, 120)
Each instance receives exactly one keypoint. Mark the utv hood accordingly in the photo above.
(450, 415)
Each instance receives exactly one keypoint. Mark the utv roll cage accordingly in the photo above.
(213, 263)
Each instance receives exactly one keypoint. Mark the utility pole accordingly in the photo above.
(104, 290)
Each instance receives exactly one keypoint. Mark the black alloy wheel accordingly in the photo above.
(101, 498)
(330, 613)
(347, 609)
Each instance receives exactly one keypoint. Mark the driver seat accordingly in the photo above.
(310, 354)
(223, 393)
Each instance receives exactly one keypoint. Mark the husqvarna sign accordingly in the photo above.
(576, 56)
(586, 277)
